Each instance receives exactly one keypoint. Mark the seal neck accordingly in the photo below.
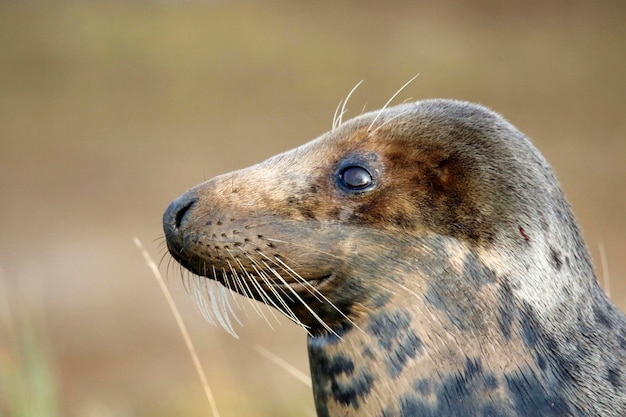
(457, 335)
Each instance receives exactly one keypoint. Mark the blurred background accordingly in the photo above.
(110, 109)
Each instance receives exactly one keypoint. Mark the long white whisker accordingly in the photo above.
(231, 288)
(222, 315)
(345, 102)
(250, 297)
(310, 310)
(285, 295)
(336, 121)
(225, 294)
(196, 287)
(297, 296)
(390, 120)
(197, 293)
(285, 308)
(217, 313)
(306, 284)
(264, 297)
(338, 115)
(241, 290)
(380, 112)
(318, 292)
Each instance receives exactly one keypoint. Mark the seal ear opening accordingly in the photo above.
(442, 172)
(441, 176)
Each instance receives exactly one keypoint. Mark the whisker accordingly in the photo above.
(225, 292)
(313, 313)
(163, 257)
(306, 284)
(259, 269)
(241, 291)
(230, 288)
(297, 296)
(204, 289)
(199, 295)
(303, 281)
(312, 289)
(336, 121)
(345, 102)
(380, 112)
(221, 314)
(264, 297)
(224, 305)
(390, 120)
(249, 293)
(285, 309)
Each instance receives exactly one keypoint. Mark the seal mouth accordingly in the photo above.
(322, 281)
(234, 280)
(307, 284)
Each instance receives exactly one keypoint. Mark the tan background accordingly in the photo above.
(109, 110)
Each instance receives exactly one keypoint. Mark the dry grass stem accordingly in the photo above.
(605, 270)
(181, 325)
(292, 370)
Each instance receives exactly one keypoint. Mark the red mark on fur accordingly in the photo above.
(523, 233)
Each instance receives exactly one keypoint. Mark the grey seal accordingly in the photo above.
(432, 257)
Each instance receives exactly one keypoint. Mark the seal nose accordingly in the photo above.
(175, 217)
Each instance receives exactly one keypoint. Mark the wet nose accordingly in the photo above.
(175, 217)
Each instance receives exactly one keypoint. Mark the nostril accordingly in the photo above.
(177, 212)
(181, 213)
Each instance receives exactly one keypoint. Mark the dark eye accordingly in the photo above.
(355, 178)
(357, 174)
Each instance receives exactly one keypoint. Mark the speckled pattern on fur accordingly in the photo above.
(443, 275)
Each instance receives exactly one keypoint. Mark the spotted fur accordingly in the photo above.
(455, 283)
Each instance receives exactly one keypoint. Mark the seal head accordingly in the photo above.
(433, 258)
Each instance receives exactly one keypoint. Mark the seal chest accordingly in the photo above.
(433, 259)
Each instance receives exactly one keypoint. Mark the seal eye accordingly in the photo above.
(356, 178)
(357, 174)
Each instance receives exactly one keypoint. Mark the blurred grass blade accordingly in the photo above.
(181, 325)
